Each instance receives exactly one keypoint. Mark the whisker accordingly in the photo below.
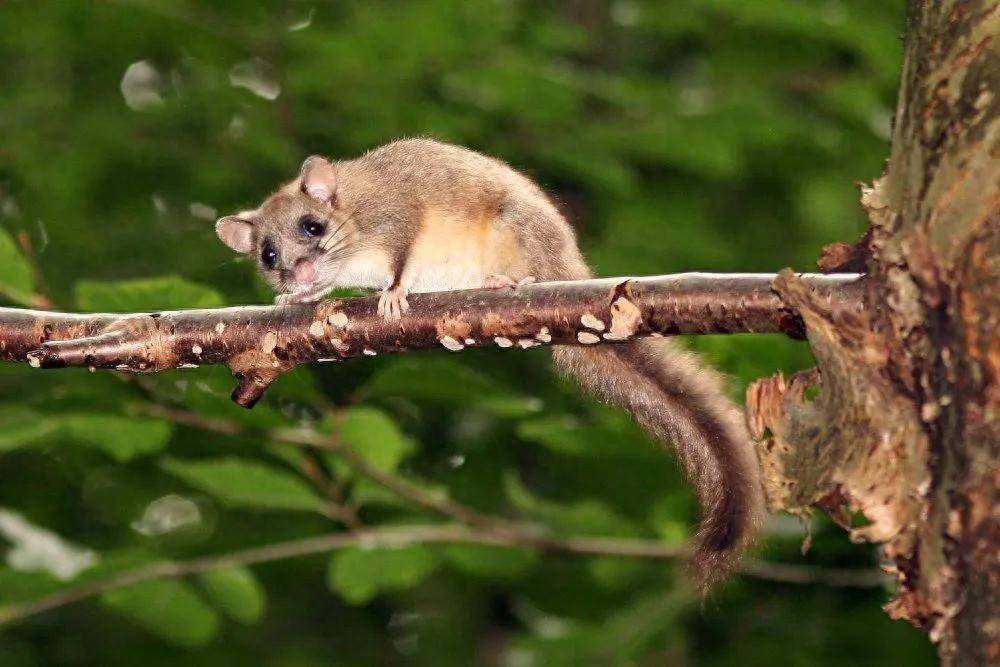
(341, 251)
(333, 236)
(337, 249)
(335, 246)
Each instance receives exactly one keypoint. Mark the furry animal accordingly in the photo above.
(418, 215)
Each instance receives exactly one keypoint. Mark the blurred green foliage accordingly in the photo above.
(692, 134)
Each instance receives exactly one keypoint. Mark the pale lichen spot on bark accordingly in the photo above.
(503, 341)
(339, 345)
(338, 319)
(269, 342)
(587, 338)
(626, 318)
(451, 343)
(316, 329)
(369, 352)
(525, 343)
(543, 335)
(220, 327)
(591, 322)
(196, 349)
(470, 341)
(34, 361)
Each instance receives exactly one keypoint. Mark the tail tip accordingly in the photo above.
(719, 547)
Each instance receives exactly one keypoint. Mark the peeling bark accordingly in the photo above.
(905, 428)
(259, 343)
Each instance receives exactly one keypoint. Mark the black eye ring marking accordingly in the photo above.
(311, 227)
(268, 255)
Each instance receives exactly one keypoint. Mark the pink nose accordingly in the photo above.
(305, 271)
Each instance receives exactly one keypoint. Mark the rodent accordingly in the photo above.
(419, 215)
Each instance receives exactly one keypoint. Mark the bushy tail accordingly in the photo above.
(676, 399)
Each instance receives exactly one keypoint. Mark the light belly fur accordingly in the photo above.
(458, 252)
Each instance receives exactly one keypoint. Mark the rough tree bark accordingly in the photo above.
(905, 428)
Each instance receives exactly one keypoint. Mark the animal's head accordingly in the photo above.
(299, 236)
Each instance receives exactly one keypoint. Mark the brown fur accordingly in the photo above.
(421, 215)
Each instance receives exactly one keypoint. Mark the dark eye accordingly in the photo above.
(310, 226)
(268, 255)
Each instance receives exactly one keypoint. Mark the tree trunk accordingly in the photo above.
(906, 427)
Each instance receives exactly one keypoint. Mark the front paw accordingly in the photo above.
(392, 303)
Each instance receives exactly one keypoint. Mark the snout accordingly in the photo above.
(304, 271)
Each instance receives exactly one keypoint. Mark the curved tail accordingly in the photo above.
(676, 399)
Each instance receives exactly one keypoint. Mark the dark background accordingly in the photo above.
(723, 135)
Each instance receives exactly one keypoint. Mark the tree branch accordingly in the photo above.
(309, 438)
(427, 534)
(261, 342)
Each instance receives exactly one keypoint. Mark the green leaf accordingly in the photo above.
(372, 434)
(621, 638)
(614, 572)
(22, 586)
(170, 609)
(450, 382)
(367, 492)
(359, 575)
(162, 293)
(17, 282)
(569, 435)
(587, 516)
(208, 390)
(244, 483)
(431, 379)
(20, 427)
(122, 438)
(489, 562)
(235, 591)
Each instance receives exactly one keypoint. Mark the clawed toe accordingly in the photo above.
(293, 298)
(392, 303)
(498, 281)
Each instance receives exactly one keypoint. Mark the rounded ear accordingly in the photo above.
(236, 232)
(319, 179)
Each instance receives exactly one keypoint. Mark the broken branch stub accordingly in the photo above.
(821, 450)
(259, 343)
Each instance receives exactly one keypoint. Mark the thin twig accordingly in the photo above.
(424, 534)
(782, 572)
(306, 438)
(401, 487)
(343, 510)
(484, 530)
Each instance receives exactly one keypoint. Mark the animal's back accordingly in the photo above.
(667, 390)
(461, 183)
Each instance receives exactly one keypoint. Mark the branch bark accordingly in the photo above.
(261, 342)
(906, 426)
